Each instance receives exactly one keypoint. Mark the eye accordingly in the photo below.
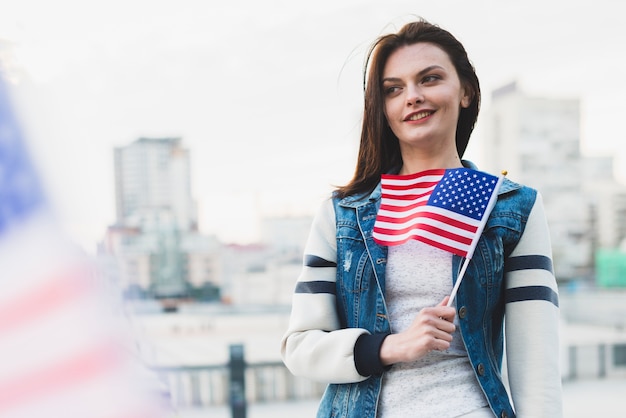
(430, 78)
(388, 90)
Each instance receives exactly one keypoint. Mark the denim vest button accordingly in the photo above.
(481, 369)
(462, 312)
(504, 414)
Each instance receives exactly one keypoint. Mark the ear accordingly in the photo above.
(466, 100)
(467, 97)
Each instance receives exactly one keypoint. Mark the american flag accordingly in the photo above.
(443, 208)
(64, 352)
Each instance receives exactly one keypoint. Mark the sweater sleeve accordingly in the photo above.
(314, 345)
(532, 322)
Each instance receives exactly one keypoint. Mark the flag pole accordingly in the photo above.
(479, 231)
(458, 281)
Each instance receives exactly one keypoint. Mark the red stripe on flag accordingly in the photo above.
(392, 220)
(429, 215)
(423, 227)
(402, 209)
(78, 369)
(421, 185)
(450, 221)
(389, 198)
(396, 214)
(43, 299)
(434, 172)
(446, 234)
(442, 246)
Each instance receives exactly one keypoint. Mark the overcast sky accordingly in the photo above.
(267, 94)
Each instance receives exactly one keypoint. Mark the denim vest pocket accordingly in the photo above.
(353, 263)
(354, 274)
(351, 400)
(359, 295)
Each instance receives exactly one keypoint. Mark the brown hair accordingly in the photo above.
(379, 149)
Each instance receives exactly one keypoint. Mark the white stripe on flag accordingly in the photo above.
(419, 215)
(421, 233)
(395, 181)
(425, 221)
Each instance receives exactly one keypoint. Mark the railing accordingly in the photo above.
(591, 361)
(211, 385)
(200, 386)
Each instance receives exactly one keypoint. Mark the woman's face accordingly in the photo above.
(422, 98)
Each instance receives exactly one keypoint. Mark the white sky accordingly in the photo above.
(267, 94)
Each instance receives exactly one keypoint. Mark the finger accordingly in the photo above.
(441, 331)
(445, 332)
(439, 344)
(444, 322)
(449, 314)
(444, 302)
(447, 326)
(444, 312)
(443, 345)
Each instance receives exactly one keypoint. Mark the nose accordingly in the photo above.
(414, 96)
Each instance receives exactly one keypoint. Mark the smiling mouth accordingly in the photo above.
(419, 115)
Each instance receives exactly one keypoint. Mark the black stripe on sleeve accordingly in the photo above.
(520, 294)
(528, 262)
(316, 287)
(315, 261)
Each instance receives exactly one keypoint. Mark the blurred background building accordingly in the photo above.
(152, 178)
(155, 248)
(156, 251)
(537, 140)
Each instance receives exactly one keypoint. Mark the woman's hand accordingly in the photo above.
(431, 330)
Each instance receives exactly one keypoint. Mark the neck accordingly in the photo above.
(417, 164)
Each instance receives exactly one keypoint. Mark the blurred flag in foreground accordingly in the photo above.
(63, 351)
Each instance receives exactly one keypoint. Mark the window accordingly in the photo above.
(619, 354)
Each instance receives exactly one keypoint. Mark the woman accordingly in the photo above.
(373, 320)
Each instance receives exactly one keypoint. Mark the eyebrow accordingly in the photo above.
(421, 73)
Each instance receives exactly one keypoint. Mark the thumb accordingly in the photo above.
(444, 302)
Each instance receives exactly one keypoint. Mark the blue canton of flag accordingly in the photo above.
(463, 191)
(20, 191)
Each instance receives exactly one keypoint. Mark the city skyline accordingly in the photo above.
(266, 96)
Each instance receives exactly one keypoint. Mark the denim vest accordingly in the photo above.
(361, 264)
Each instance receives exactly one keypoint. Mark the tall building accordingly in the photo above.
(152, 176)
(537, 140)
(155, 243)
(608, 202)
